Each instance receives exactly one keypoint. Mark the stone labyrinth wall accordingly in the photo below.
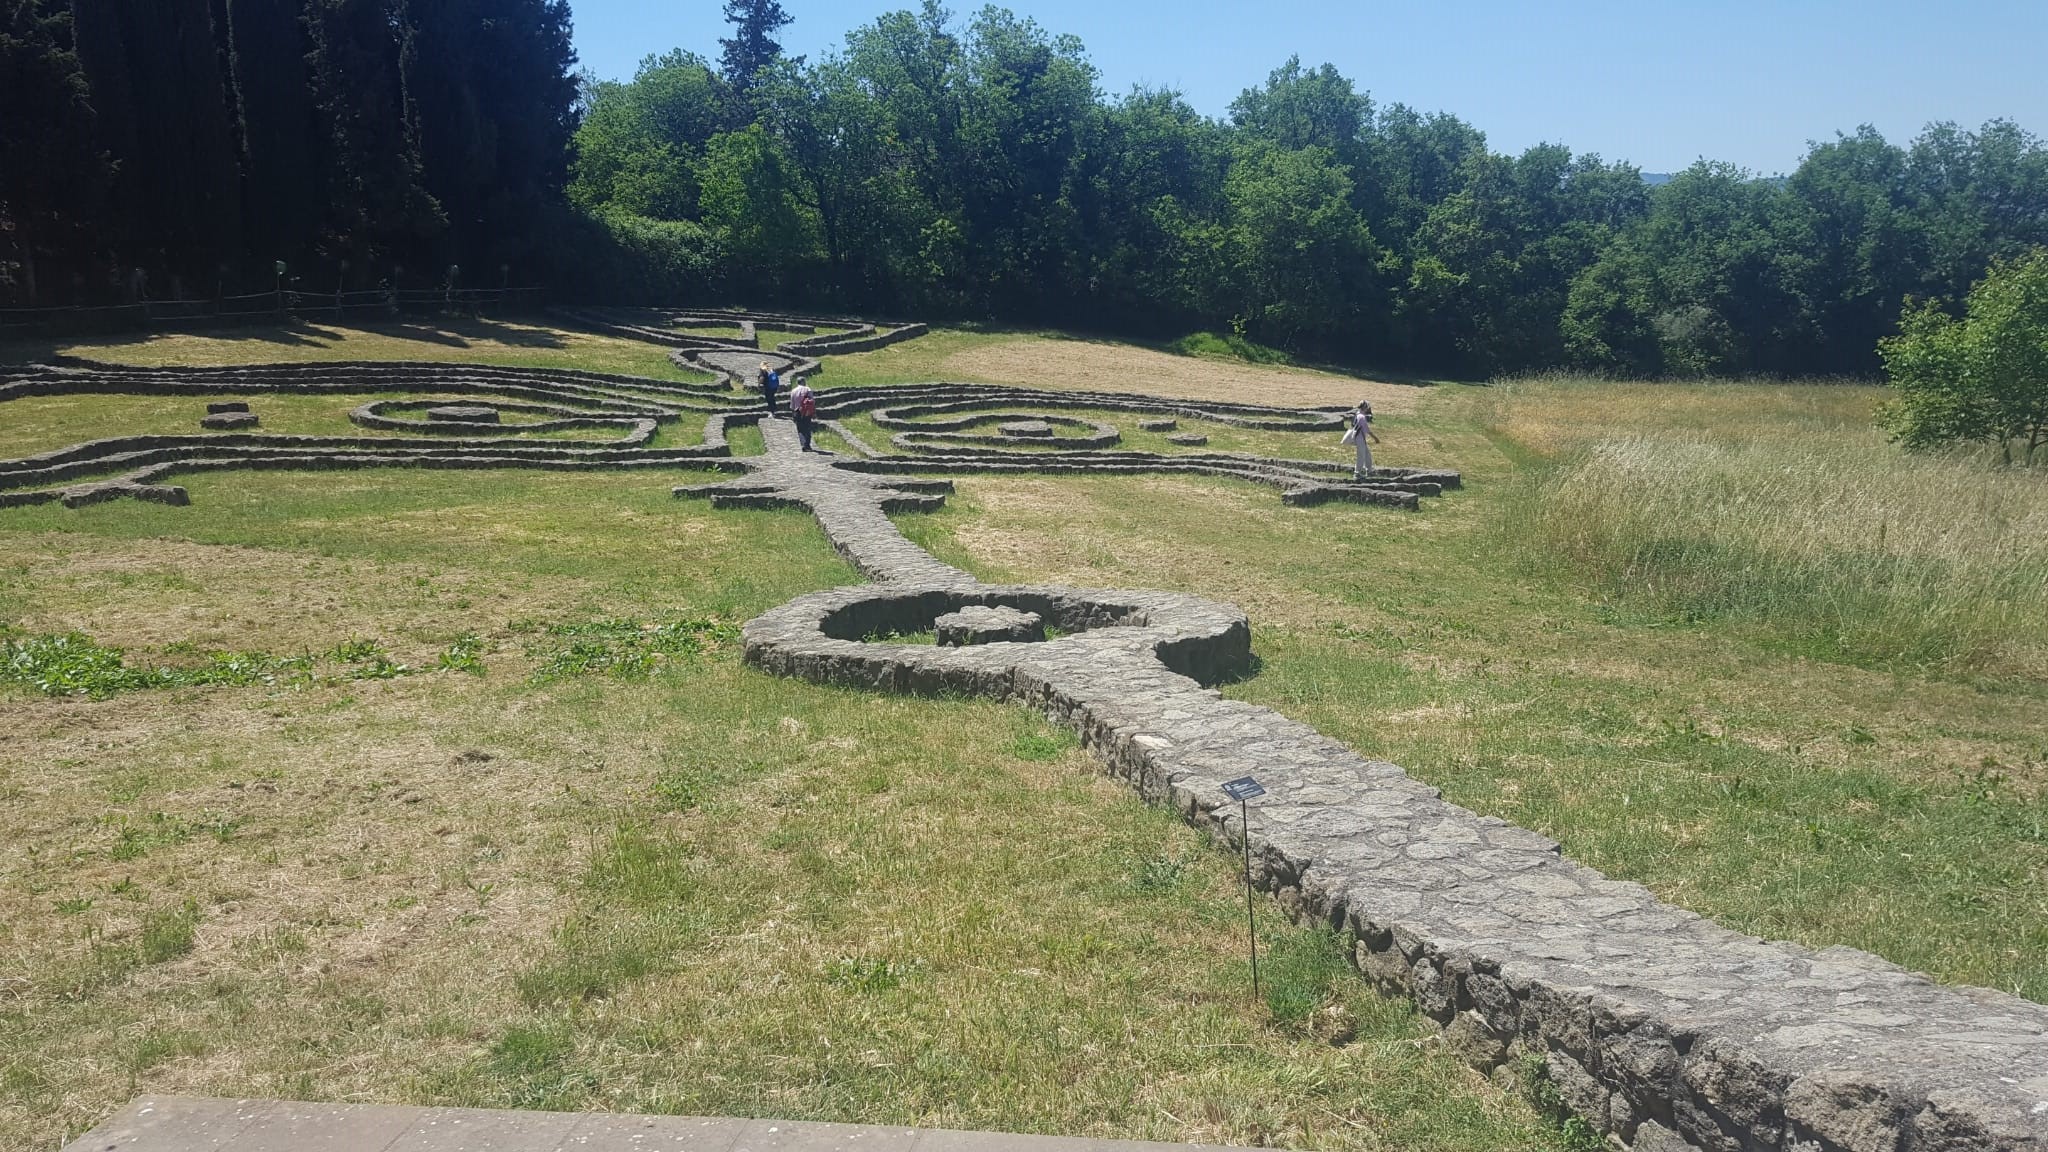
(1660, 1029)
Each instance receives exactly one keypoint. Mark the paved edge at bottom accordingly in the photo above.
(197, 1124)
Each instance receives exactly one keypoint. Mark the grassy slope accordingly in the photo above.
(712, 892)
(516, 343)
(1739, 763)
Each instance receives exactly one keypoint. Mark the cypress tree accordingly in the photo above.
(493, 81)
(751, 48)
(52, 187)
(377, 211)
(283, 156)
(154, 68)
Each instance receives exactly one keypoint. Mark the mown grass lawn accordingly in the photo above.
(480, 868)
(713, 891)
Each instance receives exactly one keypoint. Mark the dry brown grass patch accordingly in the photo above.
(1087, 365)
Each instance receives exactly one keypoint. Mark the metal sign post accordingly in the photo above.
(1244, 789)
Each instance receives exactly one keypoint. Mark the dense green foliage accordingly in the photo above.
(940, 168)
(947, 169)
(180, 148)
(1980, 379)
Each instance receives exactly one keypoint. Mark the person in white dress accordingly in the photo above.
(1362, 436)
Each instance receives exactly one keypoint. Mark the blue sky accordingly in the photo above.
(1658, 82)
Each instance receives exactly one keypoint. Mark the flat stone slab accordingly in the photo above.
(1188, 439)
(463, 414)
(227, 421)
(980, 625)
(1166, 425)
(220, 406)
(193, 1124)
(1032, 429)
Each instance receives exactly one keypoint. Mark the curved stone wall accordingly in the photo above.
(1661, 1029)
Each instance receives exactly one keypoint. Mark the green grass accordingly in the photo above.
(913, 361)
(73, 664)
(624, 649)
(713, 891)
(1227, 346)
(1828, 540)
(1727, 761)
(703, 891)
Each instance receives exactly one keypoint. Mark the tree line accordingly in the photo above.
(184, 148)
(939, 168)
(949, 168)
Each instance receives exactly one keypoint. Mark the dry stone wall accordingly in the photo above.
(1659, 1028)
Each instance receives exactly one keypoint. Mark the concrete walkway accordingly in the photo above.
(187, 1124)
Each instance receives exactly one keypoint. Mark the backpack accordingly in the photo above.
(807, 404)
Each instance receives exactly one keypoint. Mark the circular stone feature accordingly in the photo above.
(1158, 425)
(227, 421)
(1189, 439)
(463, 414)
(1033, 429)
(988, 625)
(220, 406)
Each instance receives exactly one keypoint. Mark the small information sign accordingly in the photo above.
(1244, 788)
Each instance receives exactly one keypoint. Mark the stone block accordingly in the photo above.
(988, 625)
(463, 414)
(228, 421)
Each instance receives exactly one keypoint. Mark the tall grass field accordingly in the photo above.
(1821, 533)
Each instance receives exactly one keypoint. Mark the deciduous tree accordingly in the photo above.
(1982, 378)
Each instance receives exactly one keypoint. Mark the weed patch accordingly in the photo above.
(1228, 346)
(167, 933)
(465, 655)
(74, 664)
(623, 649)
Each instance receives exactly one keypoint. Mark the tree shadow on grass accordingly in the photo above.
(463, 333)
(447, 332)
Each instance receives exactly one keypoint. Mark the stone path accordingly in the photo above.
(1659, 1028)
(185, 1124)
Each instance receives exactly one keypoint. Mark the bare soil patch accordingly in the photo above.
(1087, 365)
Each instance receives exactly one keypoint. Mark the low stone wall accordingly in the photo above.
(1659, 1028)
(634, 406)
(869, 341)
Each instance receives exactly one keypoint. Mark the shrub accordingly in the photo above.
(1980, 379)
